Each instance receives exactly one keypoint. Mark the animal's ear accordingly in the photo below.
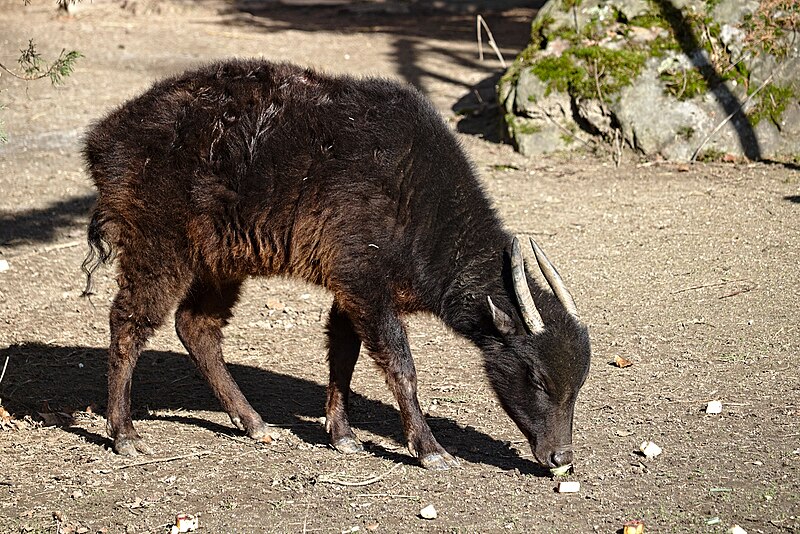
(504, 324)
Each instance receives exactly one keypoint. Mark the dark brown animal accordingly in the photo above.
(249, 168)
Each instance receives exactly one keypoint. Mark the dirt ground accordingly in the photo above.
(690, 272)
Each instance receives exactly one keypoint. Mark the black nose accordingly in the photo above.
(559, 458)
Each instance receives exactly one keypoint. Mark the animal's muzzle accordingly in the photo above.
(555, 458)
(560, 457)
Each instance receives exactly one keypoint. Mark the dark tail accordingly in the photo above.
(99, 251)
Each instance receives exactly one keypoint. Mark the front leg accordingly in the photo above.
(388, 346)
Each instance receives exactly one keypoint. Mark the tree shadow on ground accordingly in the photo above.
(415, 31)
(479, 112)
(43, 225)
(68, 378)
(795, 199)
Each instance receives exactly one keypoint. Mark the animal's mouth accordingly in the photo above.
(553, 458)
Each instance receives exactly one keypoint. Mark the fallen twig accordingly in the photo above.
(704, 286)
(479, 21)
(244, 441)
(331, 479)
(59, 246)
(390, 495)
(739, 292)
(164, 460)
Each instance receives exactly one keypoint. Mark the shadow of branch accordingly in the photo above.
(43, 225)
(692, 48)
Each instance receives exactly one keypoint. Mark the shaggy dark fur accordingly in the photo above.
(248, 168)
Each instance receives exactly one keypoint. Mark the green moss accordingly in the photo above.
(527, 128)
(538, 29)
(524, 58)
(520, 126)
(569, 138)
(615, 69)
(649, 20)
(684, 84)
(559, 73)
(508, 120)
(766, 29)
(685, 132)
(590, 71)
(710, 154)
(771, 104)
(587, 69)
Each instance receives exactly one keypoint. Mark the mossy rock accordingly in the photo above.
(696, 62)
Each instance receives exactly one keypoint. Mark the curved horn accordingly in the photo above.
(526, 305)
(554, 279)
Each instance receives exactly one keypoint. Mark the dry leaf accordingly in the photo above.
(51, 417)
(621, 362)
(60, 419)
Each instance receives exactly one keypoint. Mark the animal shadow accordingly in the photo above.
(74, 377)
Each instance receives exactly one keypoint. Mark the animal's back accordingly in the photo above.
(249, 167)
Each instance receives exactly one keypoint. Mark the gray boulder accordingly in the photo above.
(672, 79)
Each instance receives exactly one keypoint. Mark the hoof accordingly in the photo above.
(348, 445)
(439, 461)
(131, 446)
(263, 433)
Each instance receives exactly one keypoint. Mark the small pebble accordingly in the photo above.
(4, 266)
(736, 529)
(650, 449)
(569, 487)
(429, 512)
(714, 407)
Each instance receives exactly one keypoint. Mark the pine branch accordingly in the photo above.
(34, 67)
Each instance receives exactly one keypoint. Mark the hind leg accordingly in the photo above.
(343, 347)
(198, 322)
(139, 308)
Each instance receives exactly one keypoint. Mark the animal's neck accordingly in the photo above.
(481, 271)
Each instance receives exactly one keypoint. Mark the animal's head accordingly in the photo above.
(538, 367)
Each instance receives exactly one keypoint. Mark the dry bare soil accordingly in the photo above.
(690, 272)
